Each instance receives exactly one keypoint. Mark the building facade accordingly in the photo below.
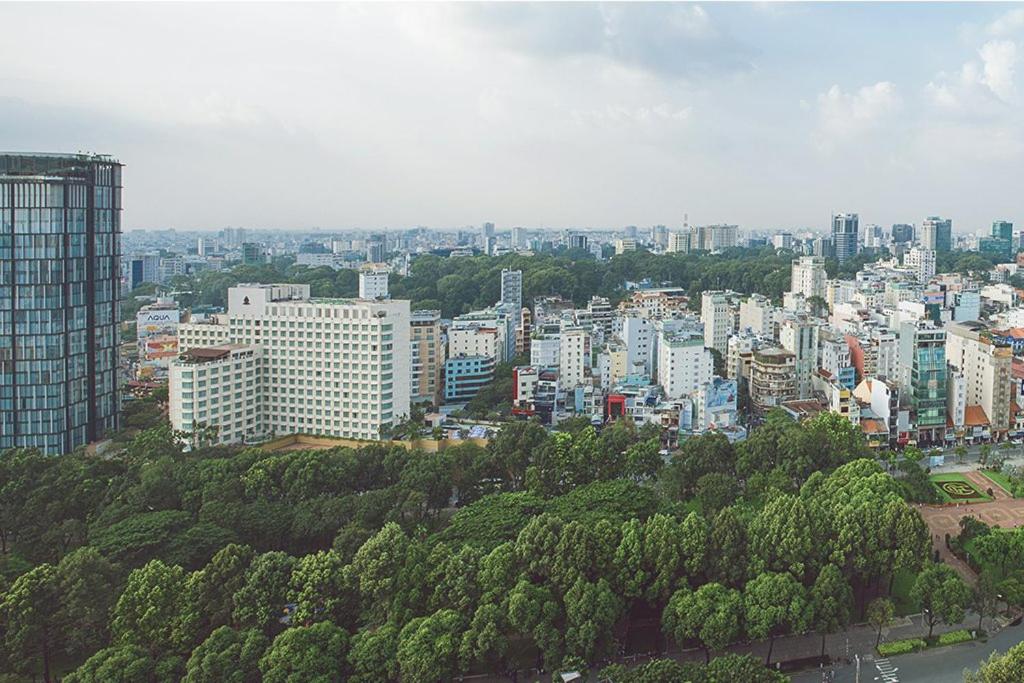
(339, 367)
(60, 284)
(845, 230)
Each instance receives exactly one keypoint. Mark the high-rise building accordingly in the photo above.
(578, 241)
(253, 254)
(985, 365)
(717, 315)
(799, 336)
(373, 282)
(936, 234)
(659, 235)
(845, 228)
(808, 276)
(923, 376)
(206, 246)
(782, 240)
(922, 261)
(573, 358)
(1003, 230)
(60, 270)
(902, 233)
(679, 242)
(375, 251)
(772, 379)
(684, 365)
(722, 237)
(512, 288)
(487, 230)
(427, 358)
(518, 238)
(339, 367)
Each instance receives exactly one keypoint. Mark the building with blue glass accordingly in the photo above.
(60, 248)
(465, 376)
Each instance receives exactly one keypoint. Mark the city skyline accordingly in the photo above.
(384, 116)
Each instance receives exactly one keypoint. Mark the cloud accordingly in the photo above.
(1008, 24)
(678, 41)
(979, 87)
(845, 116)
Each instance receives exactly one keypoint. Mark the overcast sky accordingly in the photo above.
(374, 116)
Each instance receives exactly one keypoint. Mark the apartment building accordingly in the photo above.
(573, 358)
(717, 314)
(808, 276)
(985, 364)
(923, 376)
(684, 365)
(427, 356)
(772, 379)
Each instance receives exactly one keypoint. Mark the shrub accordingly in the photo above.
(901, 647)
(954, 637)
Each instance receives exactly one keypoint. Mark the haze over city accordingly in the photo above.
(581, 115)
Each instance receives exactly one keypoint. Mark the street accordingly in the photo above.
(938, 665)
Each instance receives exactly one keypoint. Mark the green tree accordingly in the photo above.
(727, 556)
(534, 611)
(31, 618)
(148, 613)
(780, 537)
(209, 592)
(377, 563)
(715, 491)
(712, 615)
(87, 589)
(1000, 668)
(428, 647)
(374, 655)
(486, 641)
(322, 589)
(117, 664)
(259, 602)
(941, 594)
(227, 656)
(985, 598)
(831, 598)
(880, 614)
(775, 603)
(591, 611)
(307, 654)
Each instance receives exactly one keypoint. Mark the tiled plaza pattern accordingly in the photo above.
(945, 519)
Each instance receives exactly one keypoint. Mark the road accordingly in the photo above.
(938, 665)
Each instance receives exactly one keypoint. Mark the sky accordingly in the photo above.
(340, 116)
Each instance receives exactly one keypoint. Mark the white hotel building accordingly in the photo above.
(336, 367)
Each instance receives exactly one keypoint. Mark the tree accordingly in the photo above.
(148, 613)
(428, 647)
(533, 610)
(985, 598)
(307, 654)
(1004, 668)
(880, 614)
(727, 557)
(486, 640)
(941, 594)
(730, 668)
(322, 589)
(374, 655)
(781, 538)
(117, 664)
(209, 592)
(775, 603)
(591, 610)
(87, 582)
(831, 598)
(711, 615)
(31, 618)
(227, 656)
(378, 562)
(715, 491)
(259, 602)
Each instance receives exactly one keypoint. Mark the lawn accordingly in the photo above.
(1000, 479)
(954, 488)
(901, 587)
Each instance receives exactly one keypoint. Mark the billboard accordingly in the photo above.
(156, 321)
(720, 394)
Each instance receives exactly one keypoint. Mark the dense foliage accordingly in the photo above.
(458, 285)
(542, 549)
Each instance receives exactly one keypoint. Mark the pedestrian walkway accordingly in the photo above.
(983, 483)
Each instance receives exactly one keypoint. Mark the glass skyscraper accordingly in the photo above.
(60, 249)
(845, 227)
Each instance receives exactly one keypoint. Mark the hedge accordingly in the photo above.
(954, 637)
(901, 647)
